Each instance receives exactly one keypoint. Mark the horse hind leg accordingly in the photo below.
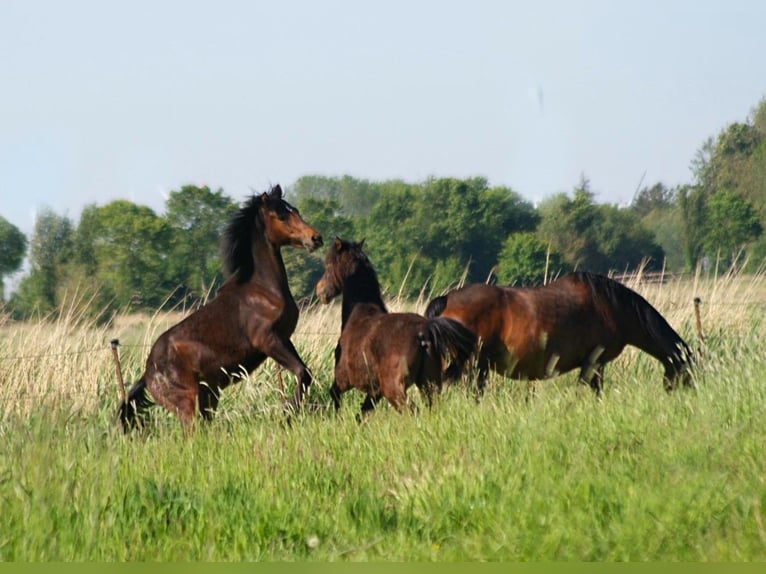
(432, 382)
(335, 394)
(393, 389)
(178, 394)
(131, 412)
(368, 406)
(482, 375)
(207, 398)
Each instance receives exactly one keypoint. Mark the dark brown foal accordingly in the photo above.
(382, 353)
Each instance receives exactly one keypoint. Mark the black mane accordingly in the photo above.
(363, 285)
(237, 240)
(649, 318)
(360, 286)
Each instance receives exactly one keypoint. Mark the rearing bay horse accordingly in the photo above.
(252, 317)
(580, 321)
(382, 353)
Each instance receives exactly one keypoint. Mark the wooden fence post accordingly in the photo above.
(698, 320)
(123, 396)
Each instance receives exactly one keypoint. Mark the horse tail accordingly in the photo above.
(137, 402)
(436, 307)
(452, 342)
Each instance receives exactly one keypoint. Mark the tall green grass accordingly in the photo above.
(548, 473)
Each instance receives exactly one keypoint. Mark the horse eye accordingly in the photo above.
(285, 211)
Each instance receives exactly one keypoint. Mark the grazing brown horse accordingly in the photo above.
(252, 317)
(382, 353)
(581, 321)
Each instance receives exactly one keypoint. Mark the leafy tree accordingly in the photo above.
(667, 227)
(50, 251)
(197, 217)
(732, 223)
(524, 260)
(504, 212)
(624, 242)
(701, 165)
(597, 237)
(392, 238)
(751, 183)
(568, 224)
(468, 221)
(327, 216)
(652, 198)
(124, 247)
(758, 117)
(732, 163)
(435, 231)
(736, 160)
(13, 246)
(692, 203)
(756, 256)
(355, 197)
(448, 214)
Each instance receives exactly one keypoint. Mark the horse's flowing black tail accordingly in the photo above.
(436, 306)
(138, 401)
(453, 342)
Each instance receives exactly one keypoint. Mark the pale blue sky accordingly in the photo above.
(102, 100)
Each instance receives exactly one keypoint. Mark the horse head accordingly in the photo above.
(284, 224)
(343, 259)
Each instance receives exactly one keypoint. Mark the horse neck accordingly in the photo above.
(652, 333)
(268, 266)
(361, 288)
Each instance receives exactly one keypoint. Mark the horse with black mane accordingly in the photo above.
(580, 321)
(382, 353)
(251, 318)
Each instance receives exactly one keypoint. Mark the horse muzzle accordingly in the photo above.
(314, 243)
(324, 294)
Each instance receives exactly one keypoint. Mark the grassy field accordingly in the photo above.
(554, 475)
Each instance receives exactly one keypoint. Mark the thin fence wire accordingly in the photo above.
(297, 334)
(101, 389)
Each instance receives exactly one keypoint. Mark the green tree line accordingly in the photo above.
(421, 236)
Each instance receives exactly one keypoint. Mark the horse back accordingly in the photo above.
(478, 307)
(572, 321)
(534, 332)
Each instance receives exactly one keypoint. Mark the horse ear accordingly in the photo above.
(338, 243)
(264, 198)
(276, 192)
(361, 243)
